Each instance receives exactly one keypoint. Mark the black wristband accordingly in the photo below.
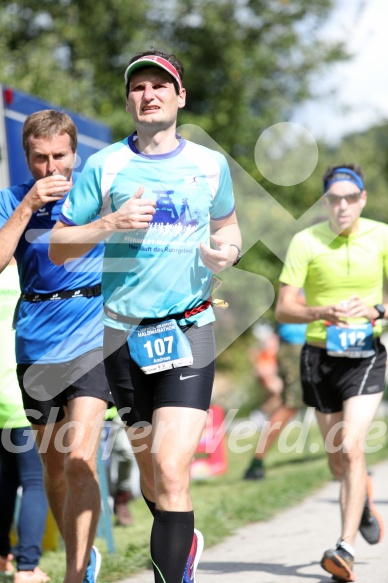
(239, 254)
(381, 310)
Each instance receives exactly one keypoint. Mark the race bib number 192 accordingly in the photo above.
(356, 341)
(158, 347)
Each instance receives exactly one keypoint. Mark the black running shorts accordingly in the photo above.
(137, 395)
(46, 388)
(327, 381)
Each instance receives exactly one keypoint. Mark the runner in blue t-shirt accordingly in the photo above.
(161, 200)
(58, 336)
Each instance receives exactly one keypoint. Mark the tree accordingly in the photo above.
(247, 62)
(71, 53)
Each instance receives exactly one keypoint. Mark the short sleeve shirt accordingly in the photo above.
(332, 268)
(52, 331)
(154, 272)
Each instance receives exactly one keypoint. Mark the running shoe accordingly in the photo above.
(93, 568)
(255, 470)
(194, 556)
(120, 508)
(34, 576)
(339, 563)
(6, 566)
(371, 525)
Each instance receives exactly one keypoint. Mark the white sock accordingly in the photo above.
(346, 546)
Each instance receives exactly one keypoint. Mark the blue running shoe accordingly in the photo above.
(194, 556)
(94, 566)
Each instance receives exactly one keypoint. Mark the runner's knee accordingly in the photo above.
(172, 477)
(79, 467)
(352, 453)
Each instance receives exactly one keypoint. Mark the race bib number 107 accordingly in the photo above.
(158, 347)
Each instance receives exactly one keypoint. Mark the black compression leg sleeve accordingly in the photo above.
(171, 538)
(151, 505)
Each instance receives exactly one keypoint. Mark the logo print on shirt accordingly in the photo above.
(192, 181)
(167, 214)
(182, 378)
(42, 212)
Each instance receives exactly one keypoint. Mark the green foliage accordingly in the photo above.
(248, 63)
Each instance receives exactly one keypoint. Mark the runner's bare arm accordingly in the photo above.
(290, 309)
(43, 191)
(226, 237)
(69, 242)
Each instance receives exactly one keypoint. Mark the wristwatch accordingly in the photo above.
(239, 254)
(381, 310)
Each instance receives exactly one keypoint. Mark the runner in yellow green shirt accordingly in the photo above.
(341, 264)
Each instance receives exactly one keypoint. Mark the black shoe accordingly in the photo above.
(371, 525)
(339, 563)
(120, 508)
(255, 470)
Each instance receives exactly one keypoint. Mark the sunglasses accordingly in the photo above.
(336, 199)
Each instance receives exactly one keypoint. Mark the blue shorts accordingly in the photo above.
(137, 394)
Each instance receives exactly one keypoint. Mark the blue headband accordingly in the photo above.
(341, 174)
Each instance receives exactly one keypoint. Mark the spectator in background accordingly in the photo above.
(291, 340)
(121, 468)
(20, 463)
(263, 356)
